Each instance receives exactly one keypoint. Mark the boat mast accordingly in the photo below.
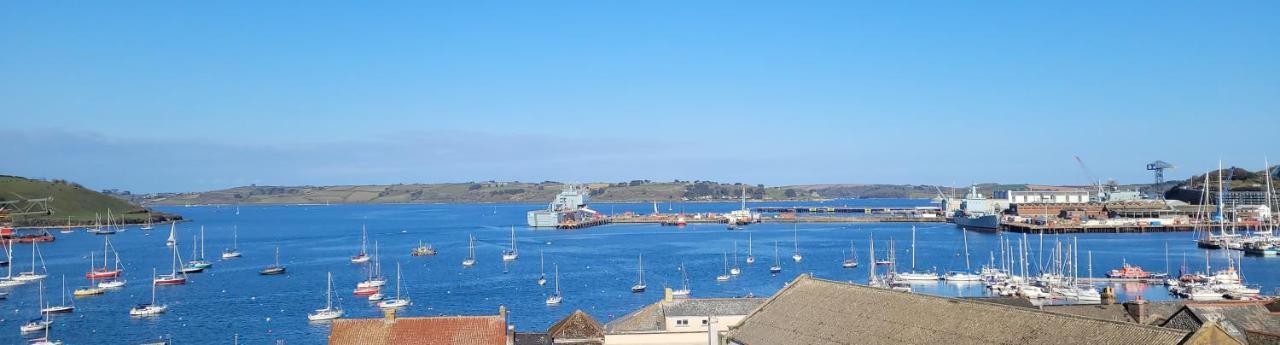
(913, 248)
(776, 261)
(964, 233)
(795, 228)
(1267, 172)
(557, 266)
(726, 263)
(871, 279)
(1090, 264)
(105, 240)
(364, 240)
(641, 269)
(1222, 221)
(328, 294)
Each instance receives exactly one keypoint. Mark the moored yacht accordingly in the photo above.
(148, 309)
(329, 312)
(640, 285)
(362, 256)
(555, 298)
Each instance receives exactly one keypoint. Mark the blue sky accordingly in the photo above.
(163, 96)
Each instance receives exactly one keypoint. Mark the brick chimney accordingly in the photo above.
(389, 315)
(667, 296)
(1137, 309)
(511, 330)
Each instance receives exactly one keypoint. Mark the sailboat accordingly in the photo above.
(9, 280)
(63, 307)
(173, 235)
(68, 229)
(724, 277)
(92, 289)
(39, 323)
(274, 269)
(640, 286)
(796, 256)
(147, 225)
(104, 271)
(111, 283)
(362, 256)
(555, 298)
(735, 270)
(234, 251)
(510, 255)
(148, 309)
(967, 275)
(329, 312)
(471, 252)
(398, 301)
(852, 261)
(107, 230)
(375, 279)
(914, 274)
(175, 276)
(683, 291)
(777, 261)
(542, 268)
(199, 261)
(191, 267)
(751, 259)
(45, 340)
(27, 276)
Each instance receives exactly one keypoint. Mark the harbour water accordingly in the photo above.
(597, 266)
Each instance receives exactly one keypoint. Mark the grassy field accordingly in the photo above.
(69, 200)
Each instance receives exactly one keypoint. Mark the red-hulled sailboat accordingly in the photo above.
(174, 277)
(105, 271)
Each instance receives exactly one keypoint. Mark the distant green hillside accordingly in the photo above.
(491, 191)
(69, 200)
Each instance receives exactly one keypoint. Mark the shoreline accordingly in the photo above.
(517, 202)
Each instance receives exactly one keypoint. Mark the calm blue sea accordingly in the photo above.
(597, 266)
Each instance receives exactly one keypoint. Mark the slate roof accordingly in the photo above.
(815, 311)
(1111, 312)
(577, 326)
(445, 330)
(653, 317)
(1238, 319)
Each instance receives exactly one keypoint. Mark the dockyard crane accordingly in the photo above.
(1093, 181)
(1159, 167)
(25, 207)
